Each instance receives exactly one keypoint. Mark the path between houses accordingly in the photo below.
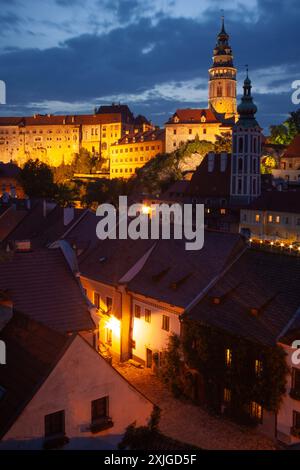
(189, 423)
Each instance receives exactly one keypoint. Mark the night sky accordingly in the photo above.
(61, 56)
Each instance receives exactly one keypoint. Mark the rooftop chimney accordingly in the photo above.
(47, 207)
(223, 163)
(211, 161)
(28, 204)
(68, 215)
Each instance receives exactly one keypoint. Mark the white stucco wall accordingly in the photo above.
(151, 335)
(81, 376)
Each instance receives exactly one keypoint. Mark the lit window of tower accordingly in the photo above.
(222, 78)
(246, 150)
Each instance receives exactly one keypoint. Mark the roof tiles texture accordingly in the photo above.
(278, 201)
(42, 286)
(258, 297)
(215, 183)
(176, 276)
(293, 149)
(190, 115)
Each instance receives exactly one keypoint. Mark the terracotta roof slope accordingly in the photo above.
(176, 276)
(214, 183)
(42, 286)
(190, 115)
(257, 297)
(293, 149)
(112, 259)
(278, 201)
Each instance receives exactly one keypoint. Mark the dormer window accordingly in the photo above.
(176, 119)
(203, 118)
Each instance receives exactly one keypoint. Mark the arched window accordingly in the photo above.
(219, 91)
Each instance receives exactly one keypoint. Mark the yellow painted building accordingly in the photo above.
(56, 139)
(134, 150)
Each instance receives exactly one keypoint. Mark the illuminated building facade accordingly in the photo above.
(56, 139)
(275, 216)
(222, 78)
(134, 150)
(246, 151)
(218, 118)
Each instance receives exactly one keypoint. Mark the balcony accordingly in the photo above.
(101, 424)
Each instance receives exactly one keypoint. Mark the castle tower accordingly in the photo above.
(222, 77)
(246, 151)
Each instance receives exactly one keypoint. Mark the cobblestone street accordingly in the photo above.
(189, 423)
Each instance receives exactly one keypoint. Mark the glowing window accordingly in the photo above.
(256, 411)
(228, 357)
(227, 395)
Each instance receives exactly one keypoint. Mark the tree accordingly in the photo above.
(268, 163)
(65, 194)
(63, 173)
(37, 179)
(84, 162)
(284, 133)
(104, 190)
(223, 143)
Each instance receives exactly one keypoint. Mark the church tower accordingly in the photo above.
(246, 151)
(222, 78)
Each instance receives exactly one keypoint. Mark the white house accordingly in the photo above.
(71, 396)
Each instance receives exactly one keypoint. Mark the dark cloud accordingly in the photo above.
(124, 9)
(8, 21)
(141, 55)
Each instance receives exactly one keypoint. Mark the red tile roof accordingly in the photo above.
(59, 120)
(211, 184)
(278, 201)
(9, 221)
(42, 286)
(147, 136)
(268, 282)
(38, 228)
(293, 149)
(190, 115)
(176, 276)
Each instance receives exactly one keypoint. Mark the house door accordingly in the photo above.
(148, 358)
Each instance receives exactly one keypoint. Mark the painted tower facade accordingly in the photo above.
(246, 151)
(222, 78)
